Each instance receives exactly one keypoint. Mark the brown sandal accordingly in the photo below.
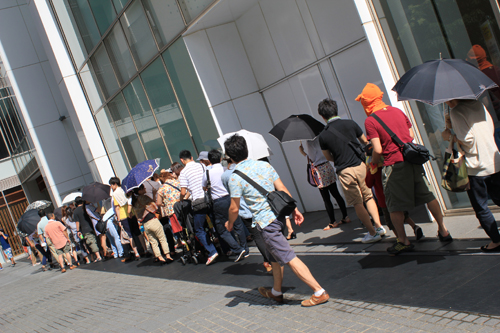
(330, 226)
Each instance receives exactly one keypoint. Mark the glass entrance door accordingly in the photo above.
(421, 30)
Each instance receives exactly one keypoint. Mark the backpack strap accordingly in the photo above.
(252, 182)
(339, 135)
(394, 137)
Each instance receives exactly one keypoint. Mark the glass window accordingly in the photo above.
(119, 5)
(4, 153)
(70, 29)
(421, 30)
(104, 13)
(166, 109)
(91, 88)
(138, 34)
(145, 123)
(119, 54)
(113, 146)
(104, 72)
(190, 94)
(116, 110)
(165, 19)
(86, 23)
(192, 8)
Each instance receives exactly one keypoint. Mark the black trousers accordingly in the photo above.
(480, 188)
(165, 221)
(334, 191)
(257, 237)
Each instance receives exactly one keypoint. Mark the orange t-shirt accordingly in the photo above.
(55, 231)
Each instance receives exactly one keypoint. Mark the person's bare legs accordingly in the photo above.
(435, 210)
(60, 260)
(75, 256)
(302, 271)
(277, 276)
(68, 258)
(134, 248)
(372, 208)
(365, 218)
(289, 227)
(397, 219)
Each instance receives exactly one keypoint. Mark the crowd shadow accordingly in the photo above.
(253, 297)
(384, 261)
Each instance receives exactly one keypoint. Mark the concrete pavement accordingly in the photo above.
(439, 288)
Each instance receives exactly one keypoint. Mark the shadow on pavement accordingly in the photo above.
(253, 297)
(385, 261)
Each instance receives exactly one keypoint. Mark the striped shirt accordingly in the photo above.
(191, 177)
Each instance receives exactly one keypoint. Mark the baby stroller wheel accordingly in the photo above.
(183, 260)
(195, 260)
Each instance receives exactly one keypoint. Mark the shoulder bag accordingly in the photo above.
(281, 203)
(412, 152)
(206, 201)
(124, 237)
(354, 145)
(455, 177)
(313, 175)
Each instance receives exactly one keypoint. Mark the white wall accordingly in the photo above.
(59, 154)
(254, 71)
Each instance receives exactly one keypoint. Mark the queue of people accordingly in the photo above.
(237, 207)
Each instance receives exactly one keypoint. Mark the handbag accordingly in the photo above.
(280, 202)
(205, 202)
(412, 152)
(313, 175)
(208, 192)
(101, 226)
(455, 177)
(124, 237)
(174, 224)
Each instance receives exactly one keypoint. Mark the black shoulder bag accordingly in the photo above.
(205, 202)
(281, 203)
(355, 145)
(412, 152)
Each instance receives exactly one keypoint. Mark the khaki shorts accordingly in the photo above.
(405, 187)
(65, 249)
(354, 186)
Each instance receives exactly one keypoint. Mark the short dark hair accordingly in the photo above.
(236, 148)
(51, 216)
(214, 156)
(114, 181)
(327, 108)
(185, 155)
(41, 213)
(79, 201)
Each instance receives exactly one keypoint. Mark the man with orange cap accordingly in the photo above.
(405, 184)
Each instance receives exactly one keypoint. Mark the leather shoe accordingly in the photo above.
(316, 300)
(268, 294)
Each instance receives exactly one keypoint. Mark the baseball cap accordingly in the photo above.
(203, 156)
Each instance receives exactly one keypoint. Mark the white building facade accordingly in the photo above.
(105, 84)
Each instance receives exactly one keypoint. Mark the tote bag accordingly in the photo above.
(455, 177)
(124, 238)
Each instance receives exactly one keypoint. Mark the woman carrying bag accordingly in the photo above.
(327, 182)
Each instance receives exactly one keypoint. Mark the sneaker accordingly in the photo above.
(240, 256)
(211, 259)
(419, 234)
(268, 294)
(316, 300)
(381, 231)
(398, 248)
(247, 254)
(371, 239)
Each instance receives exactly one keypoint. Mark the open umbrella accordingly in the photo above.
(257, 145)
(40, 204)
(297, 127)
(438, 81)
(28, 222)
(71, 197)
(139, 174)
(96, 192)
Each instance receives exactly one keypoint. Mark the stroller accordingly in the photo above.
(192, 250)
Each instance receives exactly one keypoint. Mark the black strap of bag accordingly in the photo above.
(354, 145)
(413, 153)
(178, 189)
(208, 193)
(280, 202)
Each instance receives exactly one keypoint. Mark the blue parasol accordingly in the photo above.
(139, 174)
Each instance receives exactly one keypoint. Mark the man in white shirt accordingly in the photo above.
(474, 130)
(221, 203)
(190, 180)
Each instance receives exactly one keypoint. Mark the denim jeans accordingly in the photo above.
(115, 241)
(199, 230)
(480, 188)
(46, 254)
(221, 208)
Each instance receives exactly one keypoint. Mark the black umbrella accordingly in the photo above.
(438, 81)
(28, 222)
(96, 192)
(297, 127)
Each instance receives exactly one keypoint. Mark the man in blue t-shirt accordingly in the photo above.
(6, 246)
(269, 225)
